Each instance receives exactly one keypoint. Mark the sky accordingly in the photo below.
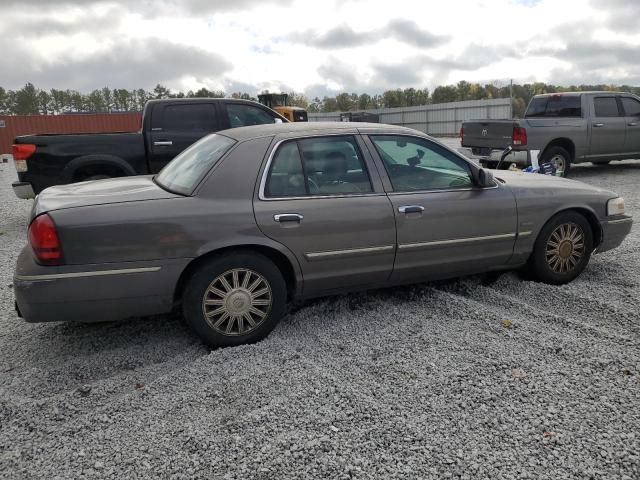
(316, 47)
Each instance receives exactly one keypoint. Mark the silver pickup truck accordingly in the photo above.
(566, 128)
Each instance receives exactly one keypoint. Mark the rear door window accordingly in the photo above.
(631, 107)
(318, 166)
(606, 107)
(195, 117)
(555, 106)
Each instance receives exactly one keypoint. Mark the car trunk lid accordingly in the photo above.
(99, 192)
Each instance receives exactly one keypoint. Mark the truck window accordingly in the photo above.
(245, 115)
(195, 117)
(555, 106)
(631, 107)
(606, 107)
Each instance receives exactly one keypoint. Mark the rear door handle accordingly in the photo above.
(632, 124)
(411, 209)
(163, 143)
(598, 124)
(288, 217)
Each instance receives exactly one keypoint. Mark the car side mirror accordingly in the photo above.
(484, 178)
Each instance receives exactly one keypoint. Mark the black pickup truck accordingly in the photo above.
(168, 127)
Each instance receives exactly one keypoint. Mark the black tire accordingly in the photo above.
(197, 289)
(542, 263)
(559, 157)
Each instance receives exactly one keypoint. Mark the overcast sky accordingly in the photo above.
(316, 47)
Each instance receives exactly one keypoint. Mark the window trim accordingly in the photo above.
(410, 192)
(267, 168)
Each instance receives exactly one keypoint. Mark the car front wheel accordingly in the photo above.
(235, 299)
(563, 249)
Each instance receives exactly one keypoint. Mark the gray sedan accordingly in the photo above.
(248, 219)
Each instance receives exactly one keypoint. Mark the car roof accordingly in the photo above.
(311, 128)
(589, 92)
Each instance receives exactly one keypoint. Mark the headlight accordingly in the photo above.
(615, 206)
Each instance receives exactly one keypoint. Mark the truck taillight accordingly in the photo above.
(44, 241)
(21, 152)
(461, 133)
(519, 136)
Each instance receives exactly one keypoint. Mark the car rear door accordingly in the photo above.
(631, 108)
(321, 198)
(177, 125)
(445, 225)
(608, 128)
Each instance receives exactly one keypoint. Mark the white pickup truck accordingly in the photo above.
(566, 128)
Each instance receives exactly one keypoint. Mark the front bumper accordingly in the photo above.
(23, 190)
(614, 231)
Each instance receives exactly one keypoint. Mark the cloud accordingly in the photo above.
(343, 36)
(129, 63)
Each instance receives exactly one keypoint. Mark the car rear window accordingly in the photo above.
(606, 107)
(555, 106)
(184, 172)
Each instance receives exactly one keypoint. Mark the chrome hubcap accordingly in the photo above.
(565, 247)
(558, 162)
(237, 302)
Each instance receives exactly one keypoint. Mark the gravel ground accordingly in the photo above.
(450, 380)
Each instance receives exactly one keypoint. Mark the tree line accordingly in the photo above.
(30, 100)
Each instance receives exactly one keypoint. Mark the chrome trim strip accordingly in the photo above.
(524, 233)
(97, 273)
(351, 252)
(456, 241)
(622, 220)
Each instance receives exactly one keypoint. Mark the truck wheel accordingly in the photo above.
(562, 249)
(235, 299)
(559, 158)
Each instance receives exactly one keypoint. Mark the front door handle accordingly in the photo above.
(632, 124)
(598, 124)
(163, 143)
(411, 209)
(288, 217)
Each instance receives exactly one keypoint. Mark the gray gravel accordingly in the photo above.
(450, 380)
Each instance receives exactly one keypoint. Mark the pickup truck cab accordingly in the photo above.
(168, 127)
(566, 128)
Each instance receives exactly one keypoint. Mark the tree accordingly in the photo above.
(26, 101)
(160, 92)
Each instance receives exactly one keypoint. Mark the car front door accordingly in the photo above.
(175, 126)
(445, 224)
(320, 198)
(631, 108)
(608, 128)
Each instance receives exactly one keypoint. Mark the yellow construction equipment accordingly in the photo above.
(280, 103)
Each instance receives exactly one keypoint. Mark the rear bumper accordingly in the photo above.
(23, 190)
(93, 293)
(614, 232)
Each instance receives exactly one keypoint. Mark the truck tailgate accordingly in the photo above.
(494, 134)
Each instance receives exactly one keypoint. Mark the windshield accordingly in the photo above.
(183, 173)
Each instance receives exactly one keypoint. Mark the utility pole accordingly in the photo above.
(511, 98)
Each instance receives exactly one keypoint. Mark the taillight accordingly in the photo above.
(461, 133)
(44, 241)
(22, 151)
(519, 136)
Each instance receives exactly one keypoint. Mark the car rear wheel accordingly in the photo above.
(563, 249)
(235, 299)
(559, 158)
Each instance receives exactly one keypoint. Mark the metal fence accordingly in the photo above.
(440, 119)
